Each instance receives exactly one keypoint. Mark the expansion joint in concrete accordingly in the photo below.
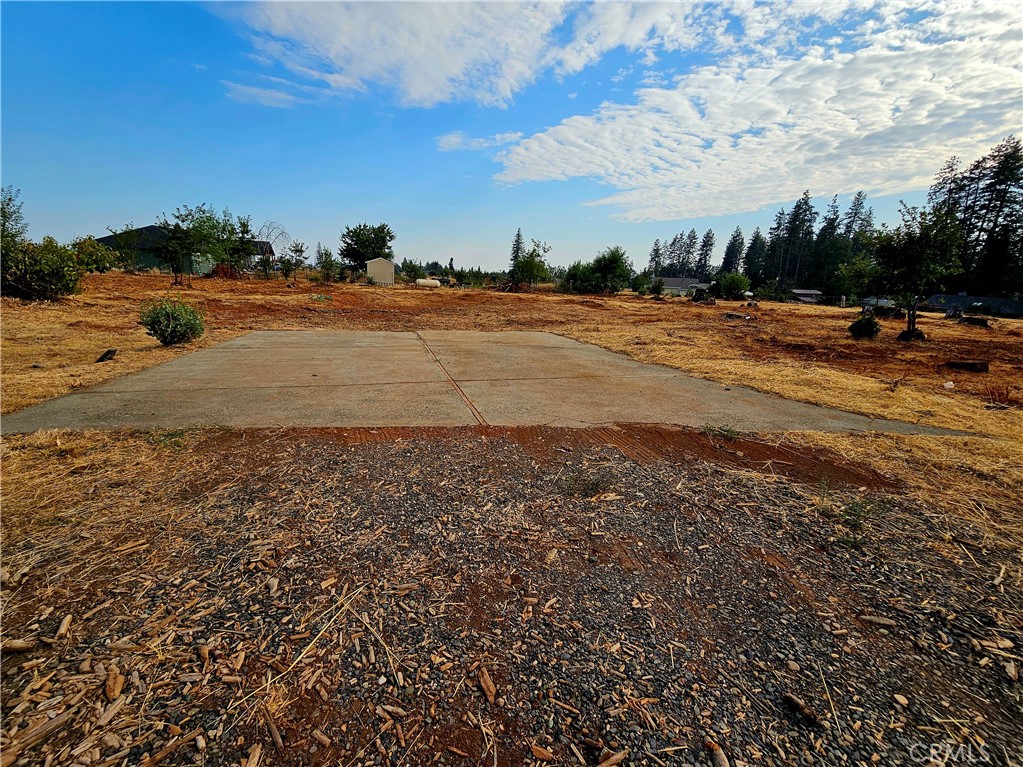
(458, 389)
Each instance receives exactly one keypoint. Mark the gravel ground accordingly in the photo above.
(483, 598)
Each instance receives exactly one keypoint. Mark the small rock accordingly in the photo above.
(108, 355)
(793, 666)
(902, 700)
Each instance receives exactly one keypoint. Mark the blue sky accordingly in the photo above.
(586, 125)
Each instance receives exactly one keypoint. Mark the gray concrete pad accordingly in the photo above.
(431, 378)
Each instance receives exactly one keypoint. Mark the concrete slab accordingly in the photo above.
(471, 356)
(432, 378)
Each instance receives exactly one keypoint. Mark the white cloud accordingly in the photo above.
(760, 126)
(268, 97)
(460, 140)
(427, 53)
(831, 95)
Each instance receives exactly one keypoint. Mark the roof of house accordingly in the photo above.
(801, 292)
(373, 260)
(684, 283)
(146, 237)
(963, 301)
(875, 301)
(149, 237)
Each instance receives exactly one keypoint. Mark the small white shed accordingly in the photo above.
(381, 271)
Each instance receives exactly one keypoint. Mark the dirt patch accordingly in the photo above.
(643, 443)
(344, 588)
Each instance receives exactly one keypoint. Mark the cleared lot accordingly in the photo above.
(426, 378)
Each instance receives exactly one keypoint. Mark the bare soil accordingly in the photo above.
(626, 593)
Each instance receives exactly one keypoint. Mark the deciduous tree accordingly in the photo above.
(362, 243)
(531, 268)
(914, 257)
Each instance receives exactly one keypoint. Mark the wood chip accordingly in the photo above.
(488, 686)
(541, 753)
(255, 754)
(798, 706)
(114, 684)
(33, 736)
(717, 755)
(18, 645)
(613, 759)
(322, 739)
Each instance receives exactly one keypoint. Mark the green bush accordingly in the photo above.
(657, 287)
(732, 285)
(172, 322)
(45, 270)
(865, 326)
(641, 283)
(94, 256)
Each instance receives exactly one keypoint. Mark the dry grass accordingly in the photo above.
(799, 352)
(128, 479)
(50, 349)
(971, 481)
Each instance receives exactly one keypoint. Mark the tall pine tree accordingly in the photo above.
(799, 238)
(656, 258)
(518, 248)
(776, 248)
(688, 259)
(733, 252)
(986, 201)
(755, 259)
(706, 252)
(831, 251)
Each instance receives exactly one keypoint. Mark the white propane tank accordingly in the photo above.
(427, 283)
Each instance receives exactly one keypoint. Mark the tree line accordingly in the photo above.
(967, 238)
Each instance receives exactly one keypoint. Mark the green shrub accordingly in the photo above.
(641, 283)
(172, 322)
(94, 256)
(865, 326)
(45, 270)
(732, 285)
(657, 287)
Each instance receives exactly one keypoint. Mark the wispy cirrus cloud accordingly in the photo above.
(427, 53)
(460, 140)
(268, 97)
